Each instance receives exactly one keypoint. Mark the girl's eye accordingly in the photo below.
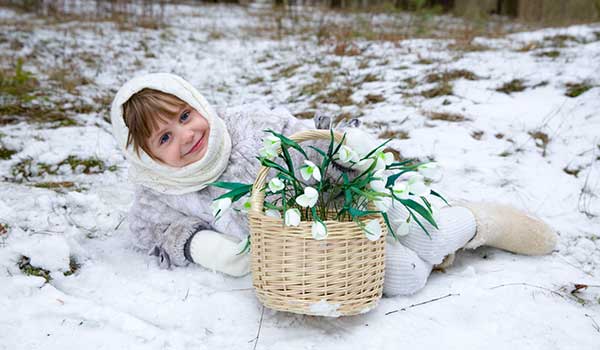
(164, 138)
(184, 116)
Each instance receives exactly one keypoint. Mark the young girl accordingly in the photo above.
(176, 144)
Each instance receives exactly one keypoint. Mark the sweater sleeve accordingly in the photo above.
(153, 223)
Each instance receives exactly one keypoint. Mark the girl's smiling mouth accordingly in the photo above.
(197, 146)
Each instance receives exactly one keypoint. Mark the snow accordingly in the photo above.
(119, 298)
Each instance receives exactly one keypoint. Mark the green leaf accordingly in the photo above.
(228, 185)
(320, 151)
(336, 150)
(387, 222)
(236, 194)
(399, 164)
(271, 164)
(288, 142)
(419, 223)
(434, 193)
(358, 213)
(392, 178)
(246, 248)
(375, 149)
(419, 209)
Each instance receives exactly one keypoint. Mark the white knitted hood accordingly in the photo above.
(146, 171)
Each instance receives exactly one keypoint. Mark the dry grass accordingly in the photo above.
(477, 135)
(449, 117)
(541, 140)
(450, 75)
(374, 98)
(441, 89)
(515, 85)
(394, 134)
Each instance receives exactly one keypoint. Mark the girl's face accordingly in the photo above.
(182, 140)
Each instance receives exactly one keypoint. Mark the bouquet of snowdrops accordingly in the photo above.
(382, 182)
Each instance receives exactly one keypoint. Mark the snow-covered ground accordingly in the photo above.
(537, 149)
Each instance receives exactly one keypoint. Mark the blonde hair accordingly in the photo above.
(142, 113)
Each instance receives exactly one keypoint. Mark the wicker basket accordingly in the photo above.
(291, 271)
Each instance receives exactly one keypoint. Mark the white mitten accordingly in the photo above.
(219, 252)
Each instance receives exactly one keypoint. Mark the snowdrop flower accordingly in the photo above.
(269, 153)
(347, 154)
(403, 228)
(383, 204)
(292, 217)
(417, 187)
(319, 231)
(309, 198)
(220, 206)
(275, 185)
(431, 170)
(379, 184)
(273, 213)
(400, 190)
(373, 230)
(272, 142)
(310, 169)
(383, 159)
(246, 206)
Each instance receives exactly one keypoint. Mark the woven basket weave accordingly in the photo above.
(291, 271)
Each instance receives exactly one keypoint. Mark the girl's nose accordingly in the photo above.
(188, 135)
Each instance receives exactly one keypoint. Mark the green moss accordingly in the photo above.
(551, 54)
(18, 83)
(576, 89)
(89, 165)
(6, 153)
(30, 270)
(27, 167)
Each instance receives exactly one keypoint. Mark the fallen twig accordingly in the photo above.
(594, 324)
(529, 285)
(422, 303)
(259, 327)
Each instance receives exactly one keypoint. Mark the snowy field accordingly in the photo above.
(513, 118)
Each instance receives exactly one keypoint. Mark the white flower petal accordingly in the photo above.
(275, 185)
(292, 217)
(431, 170)
(373, 230)
(403, 229)
(309, 163)
(383, 204)
(317, 174)
(268, 153)
(400, 189)
(419, 189)
(272, 142)
(379, 185)
(273, 213)
(319, 231)
(388, 157)
(306, 173)
(347, 154)
(220, 206)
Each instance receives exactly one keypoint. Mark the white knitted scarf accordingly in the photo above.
(146, 171)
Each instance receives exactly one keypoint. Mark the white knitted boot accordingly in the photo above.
(504, 227)
(405, 272)
(456, 226)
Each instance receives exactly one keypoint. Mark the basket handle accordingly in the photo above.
(257, 197)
